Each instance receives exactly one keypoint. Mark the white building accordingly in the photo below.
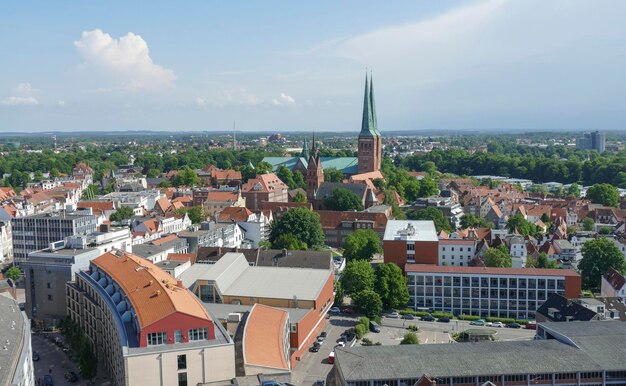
(6, 242)
(457, 252)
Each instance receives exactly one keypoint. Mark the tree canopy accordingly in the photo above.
(368, 302)
(357, 276)
(302, 223)
(122, 213)
(523, 226)
(410, 338)
(333, 175)
(391, 285)
(362, 244)
(342, 199)
(604, 194)
(441, 222)
(598, 256)
(498, 257)
(468, 220)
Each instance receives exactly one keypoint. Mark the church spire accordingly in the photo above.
(373, 106)
(305, 149)
(368, 128)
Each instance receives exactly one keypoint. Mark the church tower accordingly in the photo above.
(314, 173)
(370, 141)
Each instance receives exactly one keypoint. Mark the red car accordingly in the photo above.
(531, 326)
(348, 311)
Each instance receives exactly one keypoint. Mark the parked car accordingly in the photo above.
(478, 322)
(497, 324)
(323, 334)
(428, 318)
(334, 310)
(514, 325)
(71, 376)
(316, 347)
(35, 356)
(408, 316)
(340, 344)
(531, 326)
(47, 380)
(319, 382)
(320, 339)
(374, 327)
(393, 315)
(331, 358)
(444, 319)
(272, 383)
(348, 311)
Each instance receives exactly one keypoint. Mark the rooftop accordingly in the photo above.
(12, 323)
(263, 337)
(153, 293)
(410, 230)
(423, 268)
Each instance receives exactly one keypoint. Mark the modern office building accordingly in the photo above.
(37, 232)
(497, 292)
(567, 354)
(592, 141)
(409, 241)
(16, 353)
(147, 327)
(46, 271)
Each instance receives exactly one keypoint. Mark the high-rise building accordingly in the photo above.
(370, 140)
(592, 141)
(37, 232)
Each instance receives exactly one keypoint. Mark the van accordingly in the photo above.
(374, 327)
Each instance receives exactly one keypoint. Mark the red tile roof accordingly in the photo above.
(226, 175)
(234, 213)
(489, 270)
(269, 182)
(97, 207)
(263, 337)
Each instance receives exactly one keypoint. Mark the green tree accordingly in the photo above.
(196, 214)
(286, 176)
(298, 180)
(605, 230)
(468, 220)
(605, 194)
(391, 286)
(339, 293)
(290, 242)
(13, 273)
(410, 338)
(519, 223)
(357, 276)
(333, 175)
(38, 176)
(441, 222)
(362, 244)
(164, 184)
(342, 199)
(87, 360)
(368, 302)
(543, 261)
(588, 224)
(531, 262)
(428, 187)
(186, 177)
(122, 213)
(498, 257)
(598, 256)
(573, 191)
(299, 197)
(153, 173)
(302, 223)
(263, 167)
(92, 191)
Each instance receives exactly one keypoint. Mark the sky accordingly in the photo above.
(300, 65)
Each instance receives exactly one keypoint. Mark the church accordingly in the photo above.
(369, 147)
(359, 171)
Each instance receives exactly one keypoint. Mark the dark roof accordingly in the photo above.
(327, 188)
(271, 257)
(586, 346)
(560, 309)
(615, 279)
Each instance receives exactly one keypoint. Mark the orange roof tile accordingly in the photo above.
(263, 337)
(222, 196)
(269, 182)
(165, 239)
(97, 207)
(234, 213)
(153, 293)
(226, 175)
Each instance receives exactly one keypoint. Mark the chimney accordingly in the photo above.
(150, 282)
(158, 292)
(179, 283)
(284, 252)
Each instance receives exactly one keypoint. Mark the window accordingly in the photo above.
(48, 285)
(50, 297)
(198, 333)
(182, 379)
(178, 336)
(182, 362)
(156, 338)
(410, 247)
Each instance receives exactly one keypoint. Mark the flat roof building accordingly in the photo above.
(410, 241)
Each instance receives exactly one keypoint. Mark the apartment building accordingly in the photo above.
(497, 292)
(456, 252)
(6, 241)
(265, 187)
(37, 232)
(337, 226)
(412, 242)
(148, 328)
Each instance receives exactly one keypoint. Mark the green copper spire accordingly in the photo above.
(305, 150)
(373, 106)
(368, 128)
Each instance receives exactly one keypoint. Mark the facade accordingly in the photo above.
(456, 252)
(215, 200)
(148, 328)
(568, 354)
(46, 271)
(36, 232)
(16, 357)
(337, 226)
(6, 241)
(613, 285)
(370, 144)
(265, 187)
(451, 210)
(214, 235)
(497, 292)
(409, 241)
(592, 141)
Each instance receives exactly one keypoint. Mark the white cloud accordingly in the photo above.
(127, 58)
(283, 100)
(19, 101)
(24, 88)
(202, 102)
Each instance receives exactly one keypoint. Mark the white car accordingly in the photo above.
(334, 310)
(497, 324)
(340, 344)
(394, 315)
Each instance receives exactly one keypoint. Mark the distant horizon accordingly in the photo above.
(436, 65)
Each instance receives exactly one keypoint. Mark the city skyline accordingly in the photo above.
(437, 66)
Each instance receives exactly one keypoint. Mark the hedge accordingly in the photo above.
(439, 314)
(468, 317)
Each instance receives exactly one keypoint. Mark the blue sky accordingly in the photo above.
(287, 65)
